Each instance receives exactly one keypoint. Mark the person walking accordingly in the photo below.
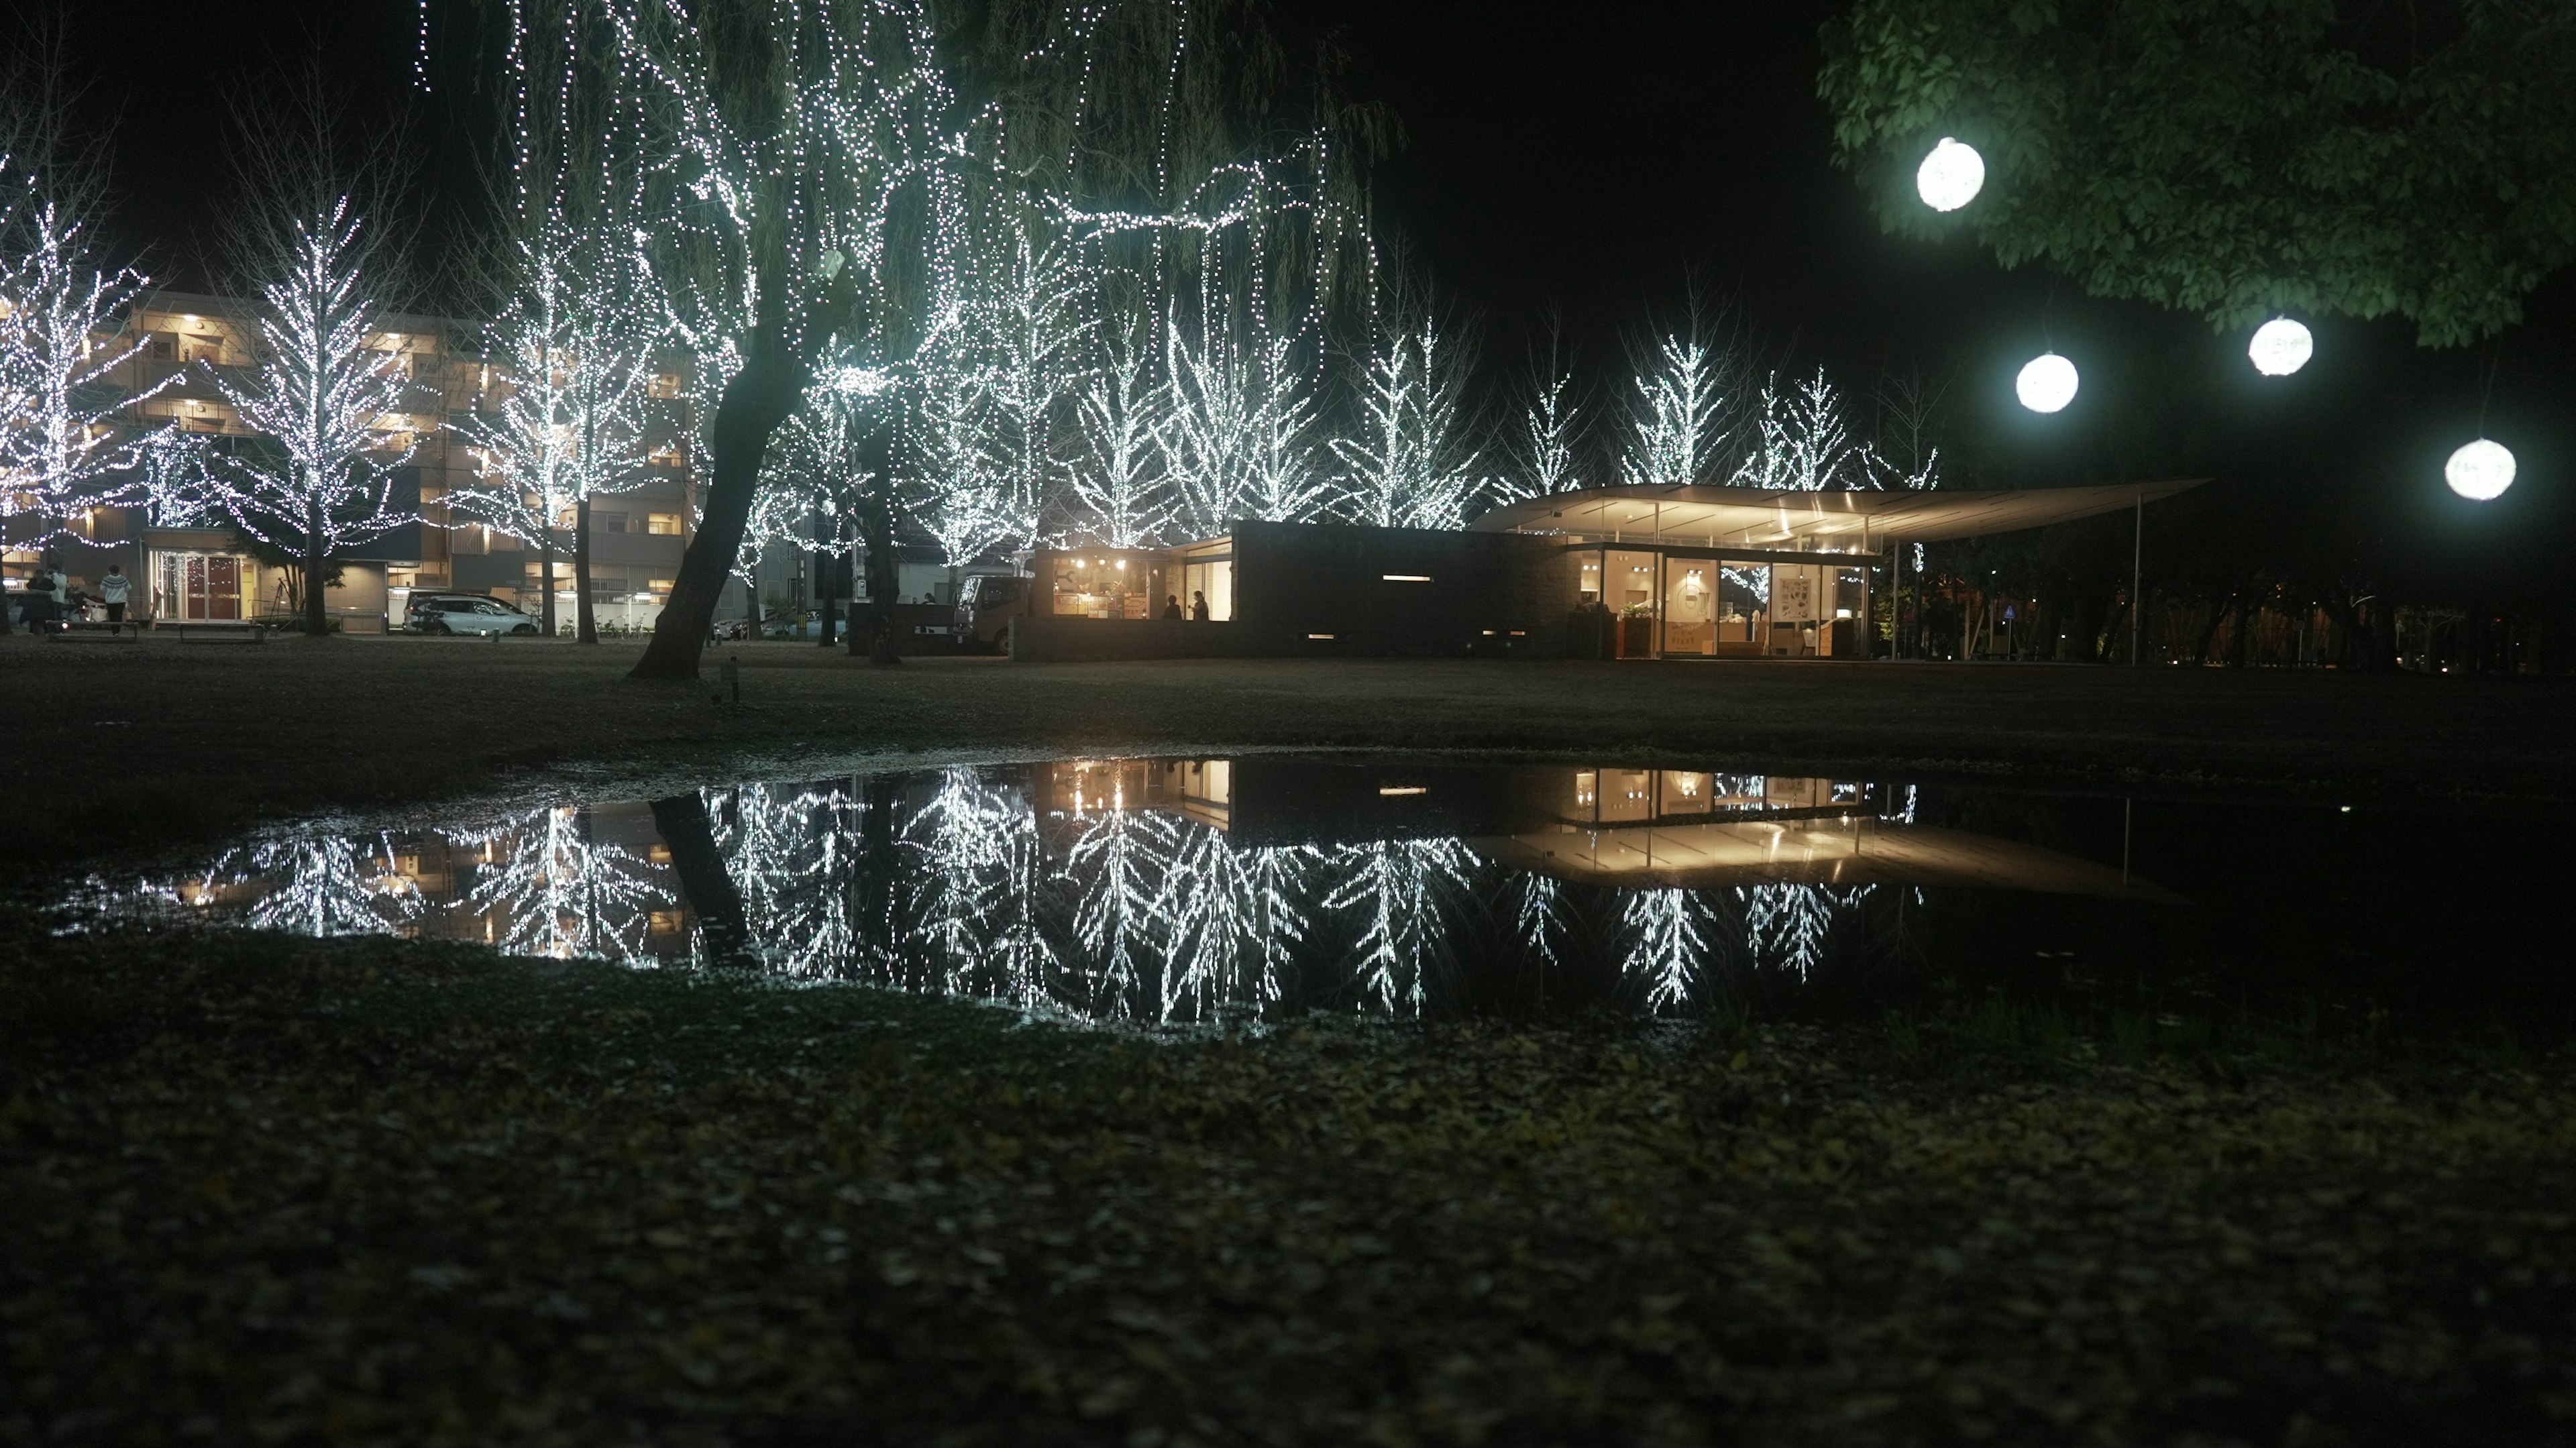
(112, 591)
(1198, 605)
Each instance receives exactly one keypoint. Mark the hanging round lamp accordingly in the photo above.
(2480, 471)
(1951, 176)
(2046, 384)
(2281, 347)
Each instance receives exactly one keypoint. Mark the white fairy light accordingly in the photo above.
(1951, 176)
(2046, 384)
(1410, 466)
(1676, 431)
(2280, 347)
(323, 385)
(2480, 471)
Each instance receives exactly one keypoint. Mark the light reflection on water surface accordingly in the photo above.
(1173, 890)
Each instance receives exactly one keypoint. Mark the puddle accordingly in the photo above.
(1170, 890)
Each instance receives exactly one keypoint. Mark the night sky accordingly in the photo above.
(1593, 159)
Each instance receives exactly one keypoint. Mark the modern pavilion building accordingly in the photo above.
(1635, 572)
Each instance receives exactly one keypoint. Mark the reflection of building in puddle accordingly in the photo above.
(1685, 829)
(1202, 789)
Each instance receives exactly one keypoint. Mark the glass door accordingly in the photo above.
(1690, 607)
(1628, 580)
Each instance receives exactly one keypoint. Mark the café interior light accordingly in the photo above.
(2281, 347)
(2046, 383)
(1951, 176)
(2480, 471)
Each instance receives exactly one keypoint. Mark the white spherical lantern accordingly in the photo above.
(2281, 347)
(2480, 471)
(1951, 176)
(2046, 383)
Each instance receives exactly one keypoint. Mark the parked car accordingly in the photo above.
(425, 602)
(986, 606)
(471, 616)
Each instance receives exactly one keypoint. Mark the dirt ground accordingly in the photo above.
(115, 747)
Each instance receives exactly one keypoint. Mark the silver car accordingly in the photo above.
(472, 616)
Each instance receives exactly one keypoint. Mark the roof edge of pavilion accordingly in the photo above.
(1765, 517)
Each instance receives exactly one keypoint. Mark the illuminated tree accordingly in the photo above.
(1119, 479)
(66, 444)
(1550, 432)
(1677, 429)
(1801, 443)
(1241, 433)
(795, 183)
(1410, 465)
(324, 394)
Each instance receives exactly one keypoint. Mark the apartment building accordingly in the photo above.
(216, 573)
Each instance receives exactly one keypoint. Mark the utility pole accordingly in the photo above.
(2137, 556)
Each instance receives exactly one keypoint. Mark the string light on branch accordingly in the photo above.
(2281, 347)
(1951, 176)
(2480, 471)
(2046, 384)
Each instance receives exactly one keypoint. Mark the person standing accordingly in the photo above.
(112, 591)
(39, 611)
(1198, 606)
(1172, 607)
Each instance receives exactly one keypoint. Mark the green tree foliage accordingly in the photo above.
(2237, 158)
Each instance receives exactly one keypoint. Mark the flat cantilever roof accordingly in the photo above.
(1763, 518)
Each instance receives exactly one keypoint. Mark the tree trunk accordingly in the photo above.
(823, 571)
(755, 402)
(705, 884)
(585, 625)
(546, 577)
(876, 524)
(315, 622)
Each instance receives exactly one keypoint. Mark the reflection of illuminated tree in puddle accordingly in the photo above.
(1234, 917)
(1119, 861)
(549, 889)
(1542, 913)
(1787, 925)
(788, 854)
(973, 896)
(1396, 888)
(332, 885)
(1667, 943)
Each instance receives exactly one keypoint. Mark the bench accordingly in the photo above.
(215, 631)
(82, 630)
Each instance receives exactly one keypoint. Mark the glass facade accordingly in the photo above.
(1658, 603)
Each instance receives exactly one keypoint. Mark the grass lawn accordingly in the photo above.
(266, 1190)
(259, 1189)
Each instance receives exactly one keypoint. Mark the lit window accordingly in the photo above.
(662, 525)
